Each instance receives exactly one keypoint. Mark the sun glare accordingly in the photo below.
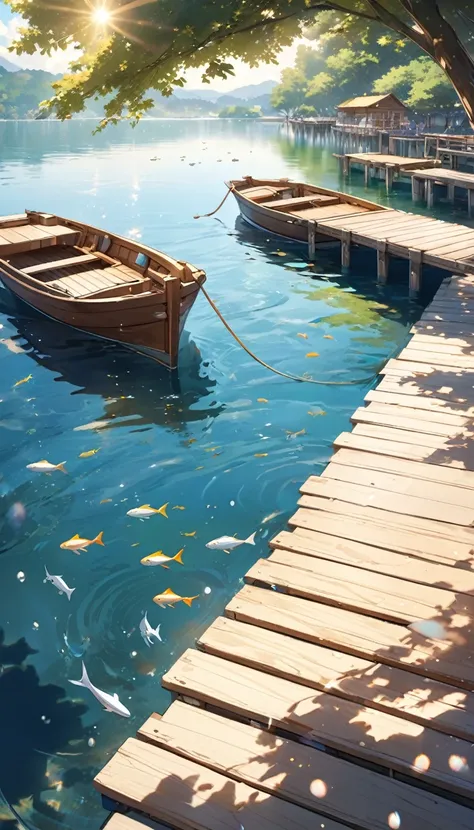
(101, 16)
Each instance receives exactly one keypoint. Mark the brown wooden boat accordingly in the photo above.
(111, 287)
(293, 209)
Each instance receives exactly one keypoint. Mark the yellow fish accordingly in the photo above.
(23, 380)
(105, 501)
(159, 558)
(193, 533)
(318, 412)
(88, 453)
(328, 337)
(262, 400)
(295, 434)
(260, 454)
(169, 597)
(76, 543)
(312, 354)
(145, 511)
(190, 441)
(211, 449)
(304, 336)
(200, 468)
(179, 507)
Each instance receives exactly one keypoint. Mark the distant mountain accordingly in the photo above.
(8, 65)
(242, 93)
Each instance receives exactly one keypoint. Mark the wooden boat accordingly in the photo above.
(95, 281)
(293, 209)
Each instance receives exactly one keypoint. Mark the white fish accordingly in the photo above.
(59, 583)
(145, 511)
(92, 425)
(148, 632)
(111, 703)
(46, 466)
(228, 543)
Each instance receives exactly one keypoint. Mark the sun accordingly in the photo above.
(101, 16)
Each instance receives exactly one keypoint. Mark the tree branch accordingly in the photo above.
(393, 22)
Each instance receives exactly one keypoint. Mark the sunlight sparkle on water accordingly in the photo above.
(101, 16)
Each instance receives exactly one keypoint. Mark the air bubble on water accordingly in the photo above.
(36, 625)
(133, 654)
(232, 503)
(21, 576)
(207, 590)
(91, 742)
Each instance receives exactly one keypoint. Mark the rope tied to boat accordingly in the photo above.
(298, 378)
(205, 215)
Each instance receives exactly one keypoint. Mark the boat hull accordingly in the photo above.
(143, 327)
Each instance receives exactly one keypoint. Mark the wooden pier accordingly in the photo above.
(389, 166)
(424, 181)
(337, 689)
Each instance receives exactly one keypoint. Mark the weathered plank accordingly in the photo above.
(352, 633)
(131, 821)
(297, 773)
(372, 735)
(382, 532)
(399, 449)
(403, 484)
(382, 561)
(376, 595)
(382, 416)
(374, 685)
(395, 501)
(415, 470)
(426, 406)
(191, 797)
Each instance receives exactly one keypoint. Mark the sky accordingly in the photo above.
(58, 62)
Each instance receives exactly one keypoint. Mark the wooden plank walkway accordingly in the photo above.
(337, 691)
(390, 165)
(423, 182)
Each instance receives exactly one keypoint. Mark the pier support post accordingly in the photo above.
(366, 174)
(311, 238)
(414, 284)
(380, 142)
(470, 202)
(389, 171)
(346, 167)
(426, 149)
(415, 189)
(430, 193)
(450, 193)
(382, 262)
(346, 249)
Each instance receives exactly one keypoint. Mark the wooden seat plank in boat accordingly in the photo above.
(388, 689)
(60, 263)
(353, 633)
(377, 737)
(311, 200)
(185, 794)
(259, 194)
(370, 558)
(296, 773)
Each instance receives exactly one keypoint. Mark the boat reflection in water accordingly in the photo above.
(137, 391)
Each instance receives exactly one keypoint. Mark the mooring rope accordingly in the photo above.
(298, 378)
(205, 215)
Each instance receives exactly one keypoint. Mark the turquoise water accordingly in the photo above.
(224, 439)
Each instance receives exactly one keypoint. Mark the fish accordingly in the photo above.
(145, 511)
(46, 467)
(328, 337)
(169, 597)
(12, 346)
(192, 533)
(159, 558)
(148, 632)
(260, 454)
(23, 380)
(179, 507)
(290, 435)
(304, 336)
(312, 354)
(92, 425)
(77, 543)
(262, 400)
(111, 703)
(59, 583)
(316, 412)
(228, 543)
(105, 501)
(88, 453)
(271, 516)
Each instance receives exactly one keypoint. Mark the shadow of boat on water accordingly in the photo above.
(137, 391)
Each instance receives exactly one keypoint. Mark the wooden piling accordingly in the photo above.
(382, 262)
(346, 248)
(311, 238)
(415, 264)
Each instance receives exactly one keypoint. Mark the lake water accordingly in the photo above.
(224, 439)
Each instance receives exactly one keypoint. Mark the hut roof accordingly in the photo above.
(365, 102)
